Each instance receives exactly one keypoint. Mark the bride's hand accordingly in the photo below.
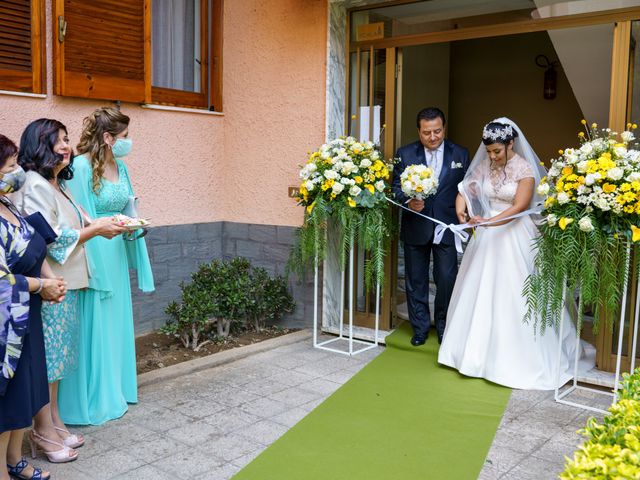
(462, 216)
(475, 220)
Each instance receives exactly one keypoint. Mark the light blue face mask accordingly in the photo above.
(12, 181)
(122, 147)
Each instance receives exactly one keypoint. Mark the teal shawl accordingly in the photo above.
(81, 187)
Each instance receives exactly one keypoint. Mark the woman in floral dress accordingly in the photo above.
(23, 374)
(46, 156)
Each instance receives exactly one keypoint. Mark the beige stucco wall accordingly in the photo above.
(190, 168)
(275, 90)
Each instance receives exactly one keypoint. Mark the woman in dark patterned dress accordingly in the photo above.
(23, 371)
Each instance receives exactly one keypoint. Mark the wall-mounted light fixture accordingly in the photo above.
(550, 86)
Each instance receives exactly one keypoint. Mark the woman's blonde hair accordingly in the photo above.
(92, 144)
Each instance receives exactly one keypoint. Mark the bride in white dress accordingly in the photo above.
(485, 335)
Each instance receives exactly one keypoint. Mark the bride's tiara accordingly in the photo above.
(505, 133)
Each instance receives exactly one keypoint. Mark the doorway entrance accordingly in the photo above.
(545, 72)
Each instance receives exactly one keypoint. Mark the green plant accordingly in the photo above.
(224, 292)
(612, 449)
(269, 298)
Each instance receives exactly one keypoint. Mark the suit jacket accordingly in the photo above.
(69, 258)
(415, 230)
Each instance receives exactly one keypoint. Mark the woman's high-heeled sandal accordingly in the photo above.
(72, 440)
(16, 471)
(64, 455)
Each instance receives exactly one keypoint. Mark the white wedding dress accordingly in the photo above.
(485, 335)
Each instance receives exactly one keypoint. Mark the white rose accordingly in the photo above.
(337, 188)
(379, 185)
(543, 189)
(620, 151)
(634, 176)
(552, 219)
(365, 162)
(309, 185)
(586, 148)
(627, 136)
(582, 166)
(590, 179)
(563, 198)
(585, 224)
(330, 174)
(615, 173)
(347, 181)
(354, 191)
(347, 168)
(602, 204)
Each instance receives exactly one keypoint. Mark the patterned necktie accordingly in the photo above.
(433, 161)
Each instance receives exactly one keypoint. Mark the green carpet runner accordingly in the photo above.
(401, 417)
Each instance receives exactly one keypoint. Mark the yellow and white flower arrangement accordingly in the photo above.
(592, 209)
(346, 180)
(418, 182)
(345, 171)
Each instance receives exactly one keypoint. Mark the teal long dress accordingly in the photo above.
(105, 379)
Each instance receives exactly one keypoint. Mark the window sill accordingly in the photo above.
(152, 106)
(23, 94)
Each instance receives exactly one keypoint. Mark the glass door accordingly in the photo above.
(372, 74)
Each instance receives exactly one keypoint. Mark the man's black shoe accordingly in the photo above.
(418, 340)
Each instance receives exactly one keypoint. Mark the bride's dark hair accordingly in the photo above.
(496, 132)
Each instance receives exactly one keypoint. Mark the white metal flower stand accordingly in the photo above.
(561, 397)
(354, 346)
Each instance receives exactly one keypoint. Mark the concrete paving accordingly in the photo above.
(212, 422)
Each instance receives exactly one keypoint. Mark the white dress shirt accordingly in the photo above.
(434, 159)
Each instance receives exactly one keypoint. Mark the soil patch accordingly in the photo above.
(157, 350)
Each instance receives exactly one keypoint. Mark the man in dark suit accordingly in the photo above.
(449, 163)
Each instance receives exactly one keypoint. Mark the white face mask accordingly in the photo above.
(13, 181)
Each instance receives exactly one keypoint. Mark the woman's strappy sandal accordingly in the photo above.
(16, 470)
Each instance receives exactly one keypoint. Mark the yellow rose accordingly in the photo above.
(549, 201)
(608, 188)
(567, 170)
(564, 222)
(358, 179)
(635, 233)
(351, 202)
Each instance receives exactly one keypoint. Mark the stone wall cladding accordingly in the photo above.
(176, 251)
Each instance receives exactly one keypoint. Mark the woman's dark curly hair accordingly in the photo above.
(36, 149)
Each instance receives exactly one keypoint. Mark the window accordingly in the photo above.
(151, 51)
(21, 46)
(178, 46)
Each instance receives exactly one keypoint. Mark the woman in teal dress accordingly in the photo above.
(104, 381)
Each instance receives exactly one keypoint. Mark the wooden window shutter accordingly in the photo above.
(21, 45)
(99, 49)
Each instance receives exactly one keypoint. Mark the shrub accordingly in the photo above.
(222, 293)
(612, 449)
(269, 298)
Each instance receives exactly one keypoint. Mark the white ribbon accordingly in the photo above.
(458, 230)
